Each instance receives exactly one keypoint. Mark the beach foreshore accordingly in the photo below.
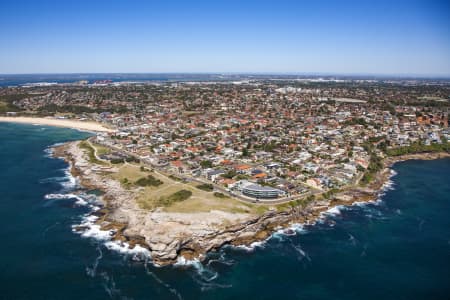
(74, 124)
(171, 237)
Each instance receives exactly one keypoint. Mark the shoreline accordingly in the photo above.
(65, 123)
(133, 227)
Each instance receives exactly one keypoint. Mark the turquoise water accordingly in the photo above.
(396, 249)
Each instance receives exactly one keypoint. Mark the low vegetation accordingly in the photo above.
(206, 164)
(101, 150)
(169, 196)
(220, 195)
(144, 169)
(175, 197)
(206, 187)
(90, 151)
(296, 203)
(7, 105)
(419, 148)
(150, 180)
(375, 164)
(173, 177)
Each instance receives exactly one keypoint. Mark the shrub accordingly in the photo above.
(117, 161)
(175, 197)
(220, 195)
(150, 180)
(205, 187)
(175, 178)
(206, 164)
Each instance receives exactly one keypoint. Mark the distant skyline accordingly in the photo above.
(410, 38)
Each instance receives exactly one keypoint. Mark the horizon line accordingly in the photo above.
(398, 75)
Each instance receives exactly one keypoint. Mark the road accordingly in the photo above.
(241, 198)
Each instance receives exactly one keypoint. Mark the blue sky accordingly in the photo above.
(349, 37)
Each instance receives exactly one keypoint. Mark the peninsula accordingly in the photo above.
(187, 167)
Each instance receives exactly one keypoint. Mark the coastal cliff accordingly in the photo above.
(169, 236)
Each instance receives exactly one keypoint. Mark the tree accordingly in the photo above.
(206, 164)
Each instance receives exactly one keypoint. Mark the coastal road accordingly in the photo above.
(216, 187)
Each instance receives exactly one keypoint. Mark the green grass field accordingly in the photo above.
(151, 197)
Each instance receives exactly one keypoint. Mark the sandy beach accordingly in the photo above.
(75, 124)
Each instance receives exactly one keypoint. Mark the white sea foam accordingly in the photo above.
(352, 239)
(71, 182)
(67, 182)
(244, 247)
(81, 199)
(389, 184)
(109, 285)
(89, 229)
(334, 211)
(294, 229)
(203, 275)
(222, 260)
(137, 252)
(302, 252)
(183, 262)
(252, 246)
(50, 150)
(91, 271)
(278, 235)
(203, 272)
(160, 281)
(94, 231)
(299, 228)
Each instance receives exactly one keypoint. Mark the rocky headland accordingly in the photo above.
(170, 236)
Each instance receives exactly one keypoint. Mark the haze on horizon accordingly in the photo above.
(339, 37)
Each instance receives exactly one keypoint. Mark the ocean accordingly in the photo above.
(25, 79)
(396, 248)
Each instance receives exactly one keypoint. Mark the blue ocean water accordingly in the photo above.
(396, 249)
(22, 79)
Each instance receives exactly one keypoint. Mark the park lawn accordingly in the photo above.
(199, 201)
(101, 150)
(90, 152)
(202, 201)
(130, 171)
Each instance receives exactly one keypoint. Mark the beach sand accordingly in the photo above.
(75, 124)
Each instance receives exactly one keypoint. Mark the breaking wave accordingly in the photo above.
(89, 229)
(137, 253)
(67, 182)
(50, 149)
(292, 230)
(202, 274)
(82, 199)
(252, 246)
